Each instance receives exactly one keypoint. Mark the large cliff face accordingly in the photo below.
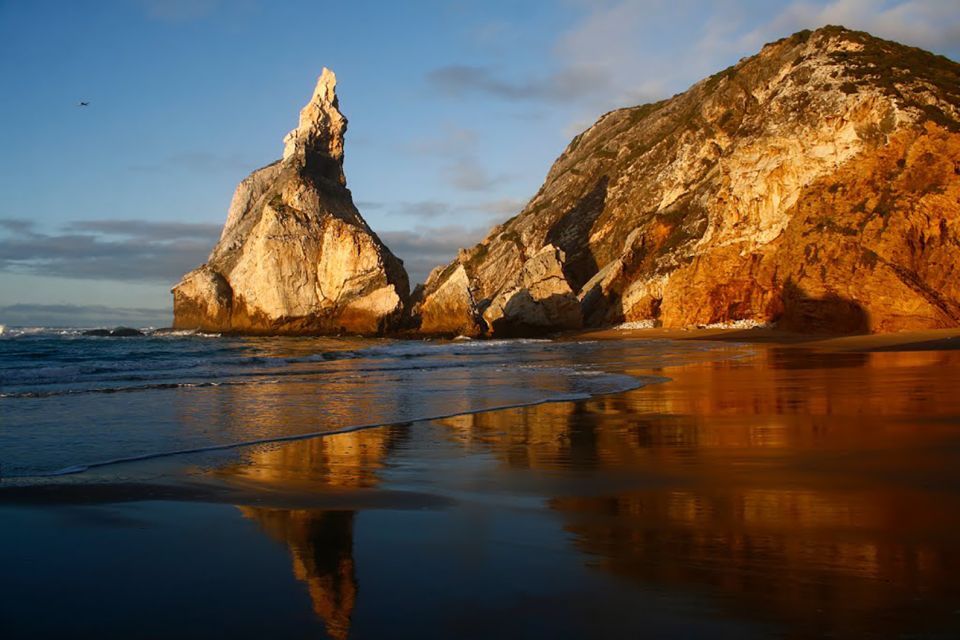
(295, 256)
(816, 184)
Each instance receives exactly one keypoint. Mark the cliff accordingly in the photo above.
(295, 255)
(815, 185)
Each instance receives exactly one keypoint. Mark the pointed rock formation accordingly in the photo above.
(295, 256)
(815, 184)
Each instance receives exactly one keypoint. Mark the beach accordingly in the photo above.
(767, 486)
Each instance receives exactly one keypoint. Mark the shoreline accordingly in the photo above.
(918, 340)
(74, 489)
(927, 340)
(41, 489)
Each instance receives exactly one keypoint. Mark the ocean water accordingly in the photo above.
(72, 403)
(762, 491)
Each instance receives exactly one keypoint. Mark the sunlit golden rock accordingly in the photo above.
(295, 255)
(814, 184)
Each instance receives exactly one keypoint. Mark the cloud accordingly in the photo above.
(422, 248)
(467, 174)
(452, 141)
(120, 250)
(461, 168)
(148, 231)
(567, 84)
(71, 315)
(932, 24)
(624, 52)
(433, 209)
(624, 42)
(161, 252)
(18, 226)
(500, 208)
(425, 209)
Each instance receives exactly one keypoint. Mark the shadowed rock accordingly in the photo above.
(539, 300)
(118, 332)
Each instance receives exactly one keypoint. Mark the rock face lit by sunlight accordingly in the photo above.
(813, 184)
(295, 255)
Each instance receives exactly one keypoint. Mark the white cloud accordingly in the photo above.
(462, 169)
(451, 141)
(130, 250)
(624, 41)
(931, 24)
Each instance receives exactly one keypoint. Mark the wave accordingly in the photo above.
(201, 382)
(135, 388)
(112, 400)
(139, 364)
(9, 332)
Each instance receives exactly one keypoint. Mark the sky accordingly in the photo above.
(456, 109)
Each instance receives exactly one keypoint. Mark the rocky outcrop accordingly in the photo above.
(450, 309)
(295, 256)
(815, 185)
(538, 300)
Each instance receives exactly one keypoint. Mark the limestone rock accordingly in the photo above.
(295, 256)
(538, 300)
(814, 184)
(451, 309)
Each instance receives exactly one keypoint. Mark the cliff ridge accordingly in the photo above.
(815, 185)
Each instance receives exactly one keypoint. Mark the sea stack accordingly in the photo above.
(295, 256)
(815, 185)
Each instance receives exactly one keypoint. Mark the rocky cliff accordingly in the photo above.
(815, 185)
(295, 256)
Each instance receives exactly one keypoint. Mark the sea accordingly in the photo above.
(72, 403)
(186, 485)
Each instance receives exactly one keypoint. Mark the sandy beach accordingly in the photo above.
(779, 488)
(930, 340)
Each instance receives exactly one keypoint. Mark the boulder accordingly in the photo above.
(450, 309)
(539, 300)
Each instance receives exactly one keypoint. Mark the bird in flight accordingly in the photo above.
(83, 104)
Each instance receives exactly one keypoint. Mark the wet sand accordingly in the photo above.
(794, 488)
(930, 340)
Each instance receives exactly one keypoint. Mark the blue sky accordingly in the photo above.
(456, 110)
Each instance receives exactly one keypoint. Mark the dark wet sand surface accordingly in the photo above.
(794, 493)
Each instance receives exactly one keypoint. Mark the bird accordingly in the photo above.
(83, 104)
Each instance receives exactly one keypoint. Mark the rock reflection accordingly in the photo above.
(815, 492)
(785, 488)
(844, 563)
(345, 460)
(320, 542)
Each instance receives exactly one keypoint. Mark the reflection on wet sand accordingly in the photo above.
(805, 559)
(347, 461)
(815, 489)
(812, 490)
(320, 542)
